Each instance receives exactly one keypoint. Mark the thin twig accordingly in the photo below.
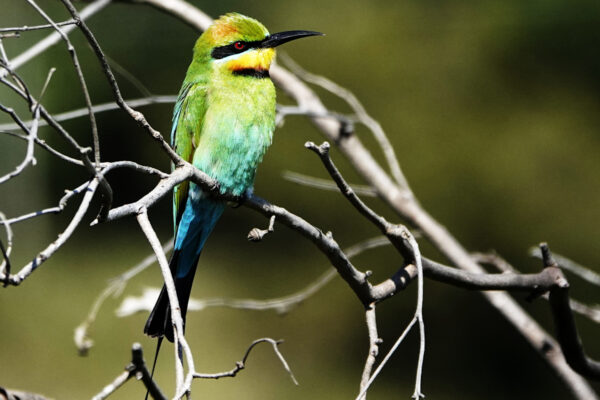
(564, 323)
(22, 91)
(99, 108)
(53, 38)
(5, 267)
(361, 113)
(115, 286)
(79, 71)
(543, 284)
(386, 358)
(183, 384)
(36, 27)
(135, 369)
(52, 210)
(144, 91)
(325, 184)
(57, 244)
(135, 115)
(417, 318)
(571, 266)
(240, 365)
(29, 154)
(374, 342)
(282, 305)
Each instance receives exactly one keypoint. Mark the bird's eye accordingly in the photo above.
(239, 45)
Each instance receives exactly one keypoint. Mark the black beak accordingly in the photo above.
(276, 39)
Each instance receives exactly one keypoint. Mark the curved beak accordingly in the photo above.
(276, 39)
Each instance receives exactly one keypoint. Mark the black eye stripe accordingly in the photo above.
(229, 49)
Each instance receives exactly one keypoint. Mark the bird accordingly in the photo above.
(223, 123)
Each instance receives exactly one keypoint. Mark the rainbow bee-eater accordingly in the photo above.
(223, 123)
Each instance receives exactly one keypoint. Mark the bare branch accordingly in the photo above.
(54, 246)
(5, 267)
(385, 359)
(571, 266)
(183, 384)
(79, 71)
(346, 122)
(374, 342)
(8, 394)
(36, 27)
(136, 369)
(135, 115)
(52, 210)
(53, 38)
(240, 365)
(114, 288)
(99, 108)
(29, 157)
(564, 323)
(131, 78)
(362, 116)
(131, 304)
(325, 184)
(22, 91)
(591, 312)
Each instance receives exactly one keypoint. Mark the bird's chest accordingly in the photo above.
(236, 132)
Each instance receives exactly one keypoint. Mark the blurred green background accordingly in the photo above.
(493, 110)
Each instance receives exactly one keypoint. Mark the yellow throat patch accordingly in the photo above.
(257, 59)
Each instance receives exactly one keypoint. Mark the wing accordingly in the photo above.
(188, 115)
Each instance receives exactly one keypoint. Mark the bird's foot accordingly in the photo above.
(241, 199)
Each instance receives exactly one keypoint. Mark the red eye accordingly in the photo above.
(239, 45)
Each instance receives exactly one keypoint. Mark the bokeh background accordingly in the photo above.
(492, 108)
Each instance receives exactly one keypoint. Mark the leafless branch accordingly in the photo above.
(347, 122)
(5, 267)
(99, 108)
(21, 90)
(394, 191)
(29, 156)
(9, 394)
(136, 115)
(36, 27)
(79, 71)
(564, 323)
(361, 114)
(54, 246)
(325, 184)
(53, 38)
(114, 288)
(183, 383)
(135, 369)
(240, 365)
(571, 266)
(591, 312)
(52, 210)
(374, 342)
(131, 304)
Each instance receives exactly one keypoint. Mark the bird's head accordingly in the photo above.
(241, 45)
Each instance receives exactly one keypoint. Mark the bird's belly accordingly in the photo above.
(232, 156)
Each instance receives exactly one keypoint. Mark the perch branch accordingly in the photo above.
(135, 369)
(564, 323)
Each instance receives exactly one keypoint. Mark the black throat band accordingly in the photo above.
(252, 72)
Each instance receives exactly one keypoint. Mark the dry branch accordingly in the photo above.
(334, 126)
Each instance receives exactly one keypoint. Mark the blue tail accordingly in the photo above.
(197, 222)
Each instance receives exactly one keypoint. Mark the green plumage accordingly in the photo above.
(223, 123)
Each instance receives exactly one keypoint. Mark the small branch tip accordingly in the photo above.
(547, 255)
